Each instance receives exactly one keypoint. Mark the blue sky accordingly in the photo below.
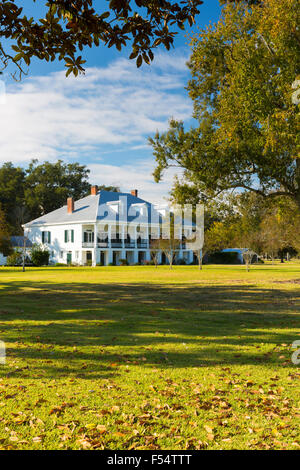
(101, 119)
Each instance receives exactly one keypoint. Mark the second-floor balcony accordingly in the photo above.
(116, 244)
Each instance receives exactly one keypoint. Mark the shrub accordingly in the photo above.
(15, 259)
(123, 262)
(5, 245)
(146, 262)
(224, 257)
(39, 257)
(111, 264)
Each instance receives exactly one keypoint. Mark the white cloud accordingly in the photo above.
(137, 176)
(119, 106)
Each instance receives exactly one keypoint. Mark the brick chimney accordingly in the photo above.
(134, 192)
(70, 204)
(94, 190)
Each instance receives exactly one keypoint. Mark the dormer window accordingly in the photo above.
(140, 208)
(114, 205)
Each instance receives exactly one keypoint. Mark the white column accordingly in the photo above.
(109, 236)
(190, 256)
(123, 237)
(135, 237)
(135, 256)
(94, 261)
(110, 254)
(148, 255)
(135, 252)
(123, 251)
(147, 236)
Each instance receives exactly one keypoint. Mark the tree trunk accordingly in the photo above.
(297, 196)
(298, 200)
(24, 255)
(170, 258)
(200, 259)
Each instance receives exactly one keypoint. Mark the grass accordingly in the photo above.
(150, 358)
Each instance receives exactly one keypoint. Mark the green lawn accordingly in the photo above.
(150, 358)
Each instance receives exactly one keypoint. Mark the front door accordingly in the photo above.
(69, 257)
(89, 258)
(141, 256)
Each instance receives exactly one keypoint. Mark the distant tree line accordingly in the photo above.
(247, 220)
(261, 228)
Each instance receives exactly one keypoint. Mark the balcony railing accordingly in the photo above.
(142, 245)
(88, 245)
(118, 244)
(129, 244)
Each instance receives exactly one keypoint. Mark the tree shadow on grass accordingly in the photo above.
(89, 330)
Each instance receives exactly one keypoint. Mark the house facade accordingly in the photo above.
(103, 228)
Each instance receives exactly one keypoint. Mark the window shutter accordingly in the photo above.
(49, 237)
(85, 237)
(43, 237)
(72, 236)
(66, 236)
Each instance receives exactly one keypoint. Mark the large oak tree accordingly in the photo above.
(5, 242)
(70, 25)
(247, 136)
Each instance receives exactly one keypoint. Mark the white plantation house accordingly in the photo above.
(102, 228)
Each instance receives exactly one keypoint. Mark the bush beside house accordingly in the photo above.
(39, 256)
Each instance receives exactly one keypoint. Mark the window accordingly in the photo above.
(88, 236)
(61, 254)
(69, 236)
(114, 206)
(46, 237)
(103, 233)
(115, 233)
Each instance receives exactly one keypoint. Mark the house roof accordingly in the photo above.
(92, 208)
(18, 242)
